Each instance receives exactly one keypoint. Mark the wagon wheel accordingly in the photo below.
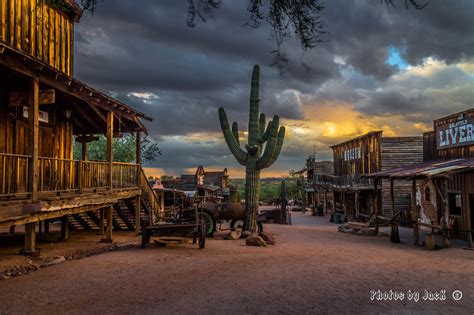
(239, 224)
(209, 221)
(202, 234)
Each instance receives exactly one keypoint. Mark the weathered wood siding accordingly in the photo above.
(463, 184)
(55, 138)
(38, 29)
(397, 152)
(365, 162)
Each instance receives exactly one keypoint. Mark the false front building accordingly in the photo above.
(42, 108)
(358, 197)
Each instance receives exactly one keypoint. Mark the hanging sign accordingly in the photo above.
(455, 130)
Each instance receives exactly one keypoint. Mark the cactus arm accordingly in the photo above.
(270, 147)
(232, 143)
(235, 131)
(279, 145)
(254, 130)
(266, 133)
(261, 125)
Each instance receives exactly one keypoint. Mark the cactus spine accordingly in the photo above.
(255, 157)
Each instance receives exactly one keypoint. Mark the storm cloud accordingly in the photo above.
(145, 55)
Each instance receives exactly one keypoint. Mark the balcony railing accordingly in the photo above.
(343, 181)
(62, 175)
(14, 173)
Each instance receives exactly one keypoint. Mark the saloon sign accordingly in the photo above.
(455, 131)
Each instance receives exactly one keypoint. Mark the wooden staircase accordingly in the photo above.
(124, 211)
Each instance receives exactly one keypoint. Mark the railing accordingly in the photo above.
(57, 175)
(124, 175)
(343, 181)
(13, 173)
(63, 175)
(93, 174)
(148, 191)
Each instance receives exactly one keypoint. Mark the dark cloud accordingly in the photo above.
(145, 55)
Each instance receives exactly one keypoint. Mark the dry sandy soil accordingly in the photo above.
(312, 269)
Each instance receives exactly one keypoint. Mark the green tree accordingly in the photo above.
(123, 149)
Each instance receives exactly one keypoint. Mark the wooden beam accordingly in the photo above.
(64, 228)
(108, 235)
(138, 149)
(86, 138)
(29, 247)
(101, 221)
(84, 151)
(33, 116)
(445, 208)
(21, 98)
(415, 211)
(375, 206)
(357, 208)
(22, 213)
(109, 155)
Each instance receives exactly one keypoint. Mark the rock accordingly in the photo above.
(255, 240)
(234, 235)
(245, 234)
(267, 237)
(53, 261)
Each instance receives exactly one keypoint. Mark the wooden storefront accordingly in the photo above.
(359, 197)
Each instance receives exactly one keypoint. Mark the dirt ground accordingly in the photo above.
(312, 269)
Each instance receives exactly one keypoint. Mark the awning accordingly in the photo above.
(426, 169)
(25, 64)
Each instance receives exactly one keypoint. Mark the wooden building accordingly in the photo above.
(210, 185)
(42, 108)
(316, 195)
(443, 185)
(357, 197)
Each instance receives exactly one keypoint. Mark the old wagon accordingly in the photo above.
(176, 225)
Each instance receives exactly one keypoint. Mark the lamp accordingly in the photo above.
(68, 113)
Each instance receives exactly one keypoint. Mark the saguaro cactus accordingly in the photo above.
(255, 157)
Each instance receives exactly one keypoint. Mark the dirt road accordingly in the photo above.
(312, 269)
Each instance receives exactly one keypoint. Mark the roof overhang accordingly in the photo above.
(426, 170)
(27, 65)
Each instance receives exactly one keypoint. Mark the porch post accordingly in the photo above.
(33, 140)
(110, 137)
(30, 240)
(394, 235)
(414, 208)
(137, 198)
(101, 221)
(356, 205)
(33, 115)
(64, 228)
(375, 206)
(326, 201)
(445, 208)
(108, 235)
(84, 149)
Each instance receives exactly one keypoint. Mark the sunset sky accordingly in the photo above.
(393, 70)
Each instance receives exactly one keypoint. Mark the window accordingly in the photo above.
(454, 202)
(427, 193)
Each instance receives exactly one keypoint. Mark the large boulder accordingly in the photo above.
(267, 237)
(255, 240)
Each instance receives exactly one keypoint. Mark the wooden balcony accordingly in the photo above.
(343, 182)
(58, 177)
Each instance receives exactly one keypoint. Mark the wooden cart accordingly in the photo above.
(176, 228)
